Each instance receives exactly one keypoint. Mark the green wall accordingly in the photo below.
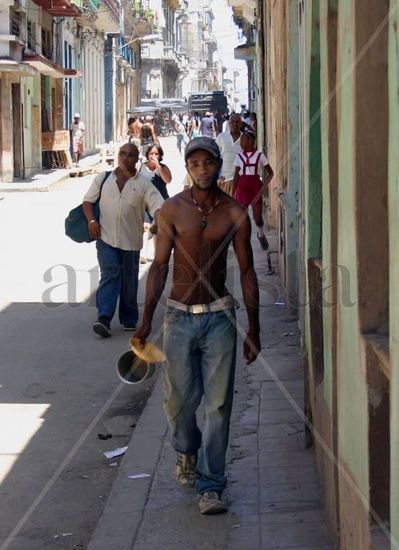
(311, 150)
(325, 122)
(393, 201)
(352, 392)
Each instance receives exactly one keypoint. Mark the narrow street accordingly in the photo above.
(59, 390)
(302, 99)
(59, 387)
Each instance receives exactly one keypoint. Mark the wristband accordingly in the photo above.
(93, 221)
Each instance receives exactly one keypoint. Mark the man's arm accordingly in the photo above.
(249, 286)
(158, 272)
(88, 203)
(235, 177)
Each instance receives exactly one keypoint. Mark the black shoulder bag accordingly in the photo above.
(76, 227)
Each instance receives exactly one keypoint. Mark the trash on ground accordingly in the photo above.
(104, 436)
(113, 464)
(279, 303)
(116, 452)
(139, 476)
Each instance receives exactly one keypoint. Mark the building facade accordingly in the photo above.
(328, 105)
(163, 63)
(55, 59)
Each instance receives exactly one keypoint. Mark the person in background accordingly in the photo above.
(207, 126)
(181, 136)
(134, 131)
(229, 145)
(159, 175)
(189, 125)
(199, 328)
(253, 122)
(247, 183)
(148, 134)
(158, 122)
(245, 119)
(225, 126)
(154, 169)
(218, 118)
(195, 131)
(125, 196)
(78, 131)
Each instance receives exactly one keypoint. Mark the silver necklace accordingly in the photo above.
(204, 211)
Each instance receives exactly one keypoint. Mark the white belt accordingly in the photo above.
(227, 302)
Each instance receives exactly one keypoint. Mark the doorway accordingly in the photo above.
(18, 133)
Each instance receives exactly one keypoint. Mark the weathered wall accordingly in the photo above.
(6, 129)
(352, 405)
(329, 158)
(393, 194)
(348, 258)
(32, 124)
(281, 115)
(276, 18)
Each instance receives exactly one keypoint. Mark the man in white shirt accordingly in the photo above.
(78, 131)
(229, 145)
(125, 196)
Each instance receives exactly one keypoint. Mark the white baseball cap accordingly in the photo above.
(76, 115)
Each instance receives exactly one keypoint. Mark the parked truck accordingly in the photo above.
(201, 102)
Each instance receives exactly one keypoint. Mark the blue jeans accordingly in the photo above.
(179, 141)
(201, 353)
(119, 276)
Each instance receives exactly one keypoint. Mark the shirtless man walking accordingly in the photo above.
(199, 326)
(134, 131)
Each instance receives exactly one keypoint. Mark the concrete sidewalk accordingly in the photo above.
(44, 180)
(273, 489)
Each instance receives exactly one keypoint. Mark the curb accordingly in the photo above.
(42, 184)
(121, 518)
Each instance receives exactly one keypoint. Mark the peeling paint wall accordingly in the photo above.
(393, 201)
(348, 262)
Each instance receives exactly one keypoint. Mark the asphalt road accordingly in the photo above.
(58, 383)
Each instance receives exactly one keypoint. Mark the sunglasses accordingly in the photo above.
(127, 154)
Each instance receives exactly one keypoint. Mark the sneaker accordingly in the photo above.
(263, 241)
(185, 470)
(129, 327)
(211, 503)
(102, 327)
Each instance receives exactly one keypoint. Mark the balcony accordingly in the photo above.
(47, 67)
(108, 16)
(169, 55)
(60, 8)
(243, 10)
(245, 52)
(209, 38)
(152, 50)
(8, 65)
(89, 12)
